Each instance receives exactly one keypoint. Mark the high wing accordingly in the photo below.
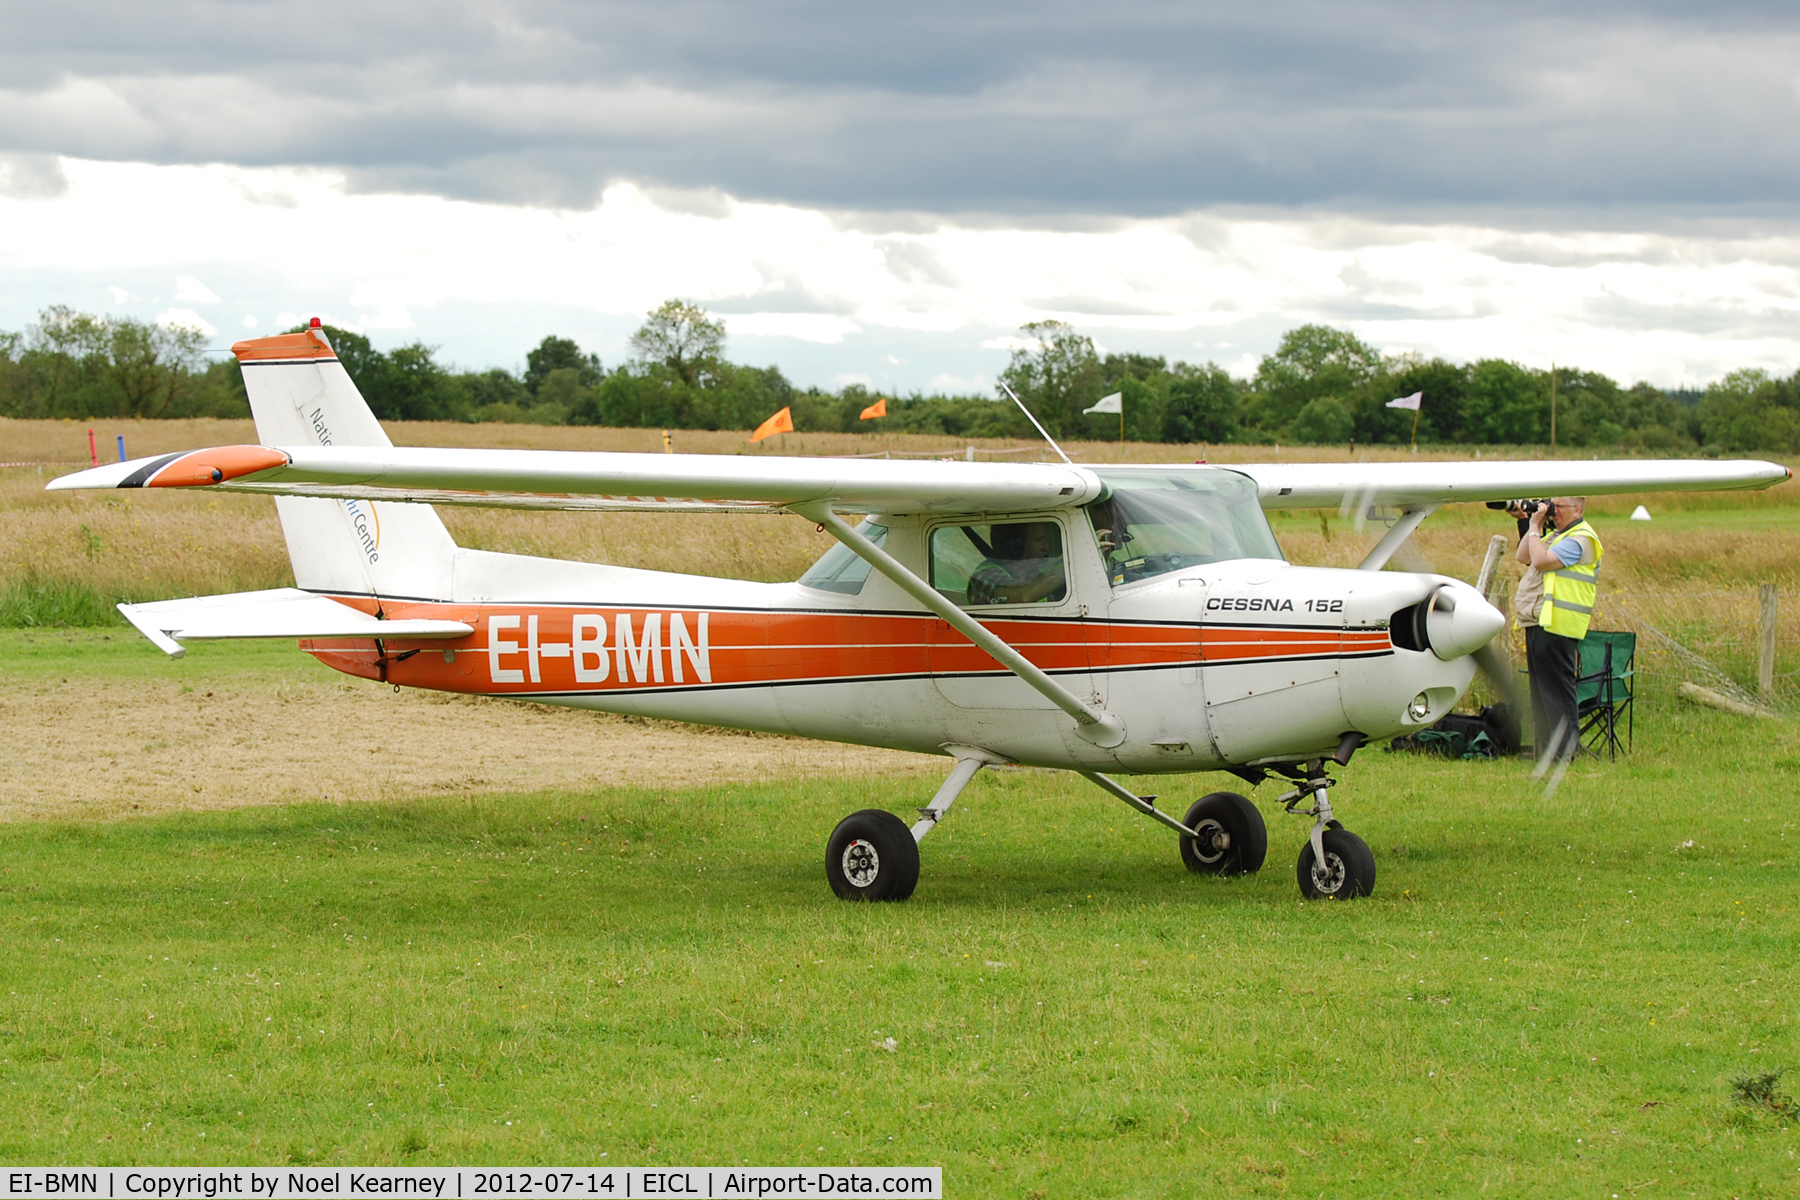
(572, 479)
(568, 479)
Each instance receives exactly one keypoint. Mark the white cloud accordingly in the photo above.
(958, 385)
(249, 322)
(805, 327)
(171, 317)
(942, 298)
(191, 291)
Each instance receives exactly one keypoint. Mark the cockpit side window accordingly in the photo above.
(839, 569)
(1149, 524)
(1013, 562)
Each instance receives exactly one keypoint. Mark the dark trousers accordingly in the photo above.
(1554, 662)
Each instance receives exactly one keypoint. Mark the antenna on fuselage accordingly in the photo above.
(1034, 423)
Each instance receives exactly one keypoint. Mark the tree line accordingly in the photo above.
(1321, 386)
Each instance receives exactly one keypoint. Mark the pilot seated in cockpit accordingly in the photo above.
(1025, 566)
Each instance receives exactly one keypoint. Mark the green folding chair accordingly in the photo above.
(1603, 690)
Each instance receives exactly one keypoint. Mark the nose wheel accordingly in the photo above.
(1346, 871)
(1334, 864)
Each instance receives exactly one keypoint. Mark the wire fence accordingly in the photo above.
(1712, 637)
(1709, 636)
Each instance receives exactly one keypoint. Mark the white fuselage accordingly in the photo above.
(1226, 663)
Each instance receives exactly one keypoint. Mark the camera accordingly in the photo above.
(1524, 507)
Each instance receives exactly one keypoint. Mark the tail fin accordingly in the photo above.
(301, 395)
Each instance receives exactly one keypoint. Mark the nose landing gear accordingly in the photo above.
(1334, 864)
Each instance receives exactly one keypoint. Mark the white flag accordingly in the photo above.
(1114, 403)
(1411, 401)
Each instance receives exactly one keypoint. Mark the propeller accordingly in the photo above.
(1493, 663)
(1498, 669)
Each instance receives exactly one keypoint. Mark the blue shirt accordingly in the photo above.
(1569, 551)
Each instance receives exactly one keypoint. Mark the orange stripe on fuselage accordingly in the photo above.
(604, 649)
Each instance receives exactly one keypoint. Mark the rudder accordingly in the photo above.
(300, 395)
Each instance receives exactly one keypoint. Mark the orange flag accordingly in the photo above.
(781, 422)
(877, 409)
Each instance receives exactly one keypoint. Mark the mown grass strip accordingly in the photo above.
(1545, 995)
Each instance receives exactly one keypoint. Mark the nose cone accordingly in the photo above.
(1460, 622)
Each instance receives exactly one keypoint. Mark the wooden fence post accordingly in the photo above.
(1484, 582)
(1765, 667)
(1488, 584)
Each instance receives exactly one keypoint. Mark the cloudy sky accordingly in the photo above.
(884, 193)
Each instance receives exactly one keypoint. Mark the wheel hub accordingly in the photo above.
(1213, 841)
(861, 863)
(1328, 876)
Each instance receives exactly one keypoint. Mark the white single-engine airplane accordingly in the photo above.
(1134, 618)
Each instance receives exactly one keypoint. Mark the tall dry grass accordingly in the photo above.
(65, 557)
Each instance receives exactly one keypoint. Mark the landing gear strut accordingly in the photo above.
(1334, 864)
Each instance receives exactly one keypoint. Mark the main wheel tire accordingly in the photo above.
(872, 856)
(1349, 869)
(1233, 839)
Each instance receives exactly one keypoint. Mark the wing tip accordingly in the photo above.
(201, 468)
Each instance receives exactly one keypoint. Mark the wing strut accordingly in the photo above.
(1409, 520)
(1095, 725)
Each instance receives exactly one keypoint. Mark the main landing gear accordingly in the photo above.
(1229, 836)
(872, 855)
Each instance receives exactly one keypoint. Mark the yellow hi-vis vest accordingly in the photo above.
(1569, 591)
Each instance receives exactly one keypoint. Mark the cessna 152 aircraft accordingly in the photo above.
(1130, 619)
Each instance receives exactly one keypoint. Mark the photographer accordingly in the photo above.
(1554, 604)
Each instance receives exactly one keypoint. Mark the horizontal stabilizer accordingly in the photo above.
(276, 613)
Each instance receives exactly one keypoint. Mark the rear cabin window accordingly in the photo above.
(1013, 562)
(839, 569)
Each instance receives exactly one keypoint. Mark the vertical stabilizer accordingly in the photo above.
(301, 395)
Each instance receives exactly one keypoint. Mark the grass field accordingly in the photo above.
(1545, 996)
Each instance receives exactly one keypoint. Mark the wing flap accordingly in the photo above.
(1361, 485)
(276, 613)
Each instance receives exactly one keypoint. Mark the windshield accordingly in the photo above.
(1150, 523)
(840, 570)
